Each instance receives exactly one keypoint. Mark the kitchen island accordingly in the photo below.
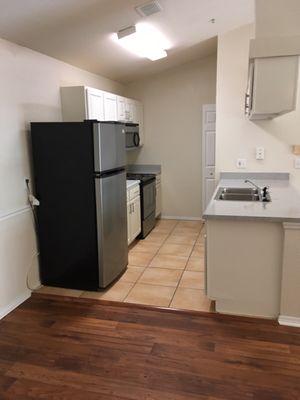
(253, 249)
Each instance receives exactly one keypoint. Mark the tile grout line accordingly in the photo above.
(169, 306)
(149, 262)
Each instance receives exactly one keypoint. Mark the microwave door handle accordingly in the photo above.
(136, 139)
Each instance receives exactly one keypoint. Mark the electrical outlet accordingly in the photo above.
(260, 153)
(297, 163)
(241, 163)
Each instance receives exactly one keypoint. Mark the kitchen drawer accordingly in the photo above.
(134, 192)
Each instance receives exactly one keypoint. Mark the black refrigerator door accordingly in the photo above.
(64, 183)
(112, 226)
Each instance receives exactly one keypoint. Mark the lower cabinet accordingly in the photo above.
(158, 196)
(133, 214)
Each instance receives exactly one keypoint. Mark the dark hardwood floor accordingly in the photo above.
(62, 348)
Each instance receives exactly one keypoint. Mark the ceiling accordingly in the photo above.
(79, 31)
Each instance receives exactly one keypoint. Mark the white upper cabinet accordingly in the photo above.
(110, 107)
(121, 108)
(139, 119)
(95, 104)
(272, 87)
(81, 102)
(129, 110)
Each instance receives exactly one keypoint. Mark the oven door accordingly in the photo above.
(148, 198)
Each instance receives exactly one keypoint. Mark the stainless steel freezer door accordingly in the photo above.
(111, 226)
(109, 146)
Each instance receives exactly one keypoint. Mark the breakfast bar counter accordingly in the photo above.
(253, 249)
(284, 205)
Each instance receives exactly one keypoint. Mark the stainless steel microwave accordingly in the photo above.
(132, 135)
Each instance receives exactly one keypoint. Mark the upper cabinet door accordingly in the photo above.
(272, 87)
(128, 110)
(135, 111)
(121, 108)
(110, 107)
(139, 119)
(95, 104)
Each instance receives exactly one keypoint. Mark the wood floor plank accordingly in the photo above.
(61, 348)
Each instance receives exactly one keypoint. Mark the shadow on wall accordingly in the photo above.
(35, 113)
(285, 128)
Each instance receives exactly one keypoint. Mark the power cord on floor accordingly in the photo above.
(33, 202)
(36, 254)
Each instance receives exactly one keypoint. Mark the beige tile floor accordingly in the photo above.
(166, 269)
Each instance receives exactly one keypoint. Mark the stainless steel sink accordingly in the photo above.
(240, 190)
(239, 194)
(239, 197)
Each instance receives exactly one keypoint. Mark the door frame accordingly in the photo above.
(205, 108)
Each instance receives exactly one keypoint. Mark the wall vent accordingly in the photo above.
(147, 9)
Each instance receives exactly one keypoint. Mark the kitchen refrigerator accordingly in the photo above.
(80, 181)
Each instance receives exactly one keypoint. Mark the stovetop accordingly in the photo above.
(141, 177)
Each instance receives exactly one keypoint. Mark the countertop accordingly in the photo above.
(130, 183)
(285, 204)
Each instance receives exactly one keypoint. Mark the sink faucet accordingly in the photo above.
(264, 192)
(252, 183)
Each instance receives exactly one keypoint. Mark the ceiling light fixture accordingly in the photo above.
(144, 41)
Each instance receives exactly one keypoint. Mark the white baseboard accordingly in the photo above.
(10, 307)
(182, 218)
(289, 321)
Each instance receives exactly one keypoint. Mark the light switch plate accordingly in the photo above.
(260, 153)
(297, 163)
(241, 163)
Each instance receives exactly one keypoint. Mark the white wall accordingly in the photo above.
(277, 18)
(173, 124)
(236, 136)
(30, 85)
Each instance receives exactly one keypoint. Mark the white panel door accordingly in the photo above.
(110, 106)
(95, 104)
(208, 153)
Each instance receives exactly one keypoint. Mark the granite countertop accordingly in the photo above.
(131, 183)
(284, 205)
